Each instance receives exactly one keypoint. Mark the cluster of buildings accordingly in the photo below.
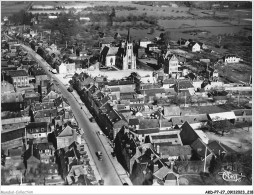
(146, 119)
(40, 138)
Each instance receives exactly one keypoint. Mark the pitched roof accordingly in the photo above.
(178, 120)
(148, 124)
(112, 51)
(184, 85)
(152, 92)
(241, 112)
(200, 147)
(67, 131)
(217, 148)
(171, 176)
(175, 150)
(17, 73)
(33, 125)
(15, 152)
(43, 105)
(115, 89)
(222, 116)
(133, 121)
(46, 113)
(161, 173)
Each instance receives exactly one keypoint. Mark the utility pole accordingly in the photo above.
(205, 158)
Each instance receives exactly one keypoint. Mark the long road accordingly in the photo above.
(105, 167)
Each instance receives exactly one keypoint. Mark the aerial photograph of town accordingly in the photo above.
(113, 93)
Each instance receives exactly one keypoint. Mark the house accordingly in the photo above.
(40, 75)
(196, 121)
(41, 106)
(61, 103)
(217, 148)
(19, 78)
(194, 47)
(38, 129)
(243, 115)
(109, 55)
(66, 135)
(167, 176)
(183, 42)
(151, 94)
(230, 116)
(174, 152)
(183, 85)
(30, 98)
(167, 83)
(45, 115)
(144, 42)
(141, 53)
(152, 47)
(145, 127)
(171, 65)
(188, 134)
(125, 86)
(32, 158)
(66, 68)
(50, 96)
(231, 59)
(12, 106)
(203, 46)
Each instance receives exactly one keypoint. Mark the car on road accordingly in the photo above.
(54, 71)
(99, 155)
(92, 119)
(100, 132)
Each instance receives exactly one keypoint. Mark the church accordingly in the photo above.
(121, 57)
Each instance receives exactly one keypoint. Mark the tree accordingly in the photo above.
(3, 157)
(214, 165)
(166, 37)
(220, 126)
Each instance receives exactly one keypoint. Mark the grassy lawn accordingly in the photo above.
(239, 140)
(190, 180)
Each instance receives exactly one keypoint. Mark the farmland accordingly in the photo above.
(10, 7)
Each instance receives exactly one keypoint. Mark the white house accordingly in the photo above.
(231, 59)
(111, 56)
(52, 17)
(144, 42)
(194, 47)
(84, 18)
(66, 68)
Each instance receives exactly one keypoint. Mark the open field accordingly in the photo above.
(239, 140)
(10, 7)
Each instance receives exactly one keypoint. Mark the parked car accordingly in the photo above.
(92, 119)
(100, 132)
(99, 155)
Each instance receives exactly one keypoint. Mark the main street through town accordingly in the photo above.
(105, 167)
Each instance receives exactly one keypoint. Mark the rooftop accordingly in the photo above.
(17, 73)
